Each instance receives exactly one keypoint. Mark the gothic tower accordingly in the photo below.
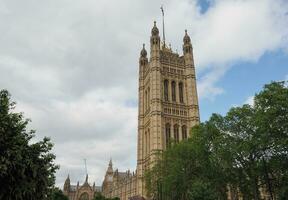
(168, 101)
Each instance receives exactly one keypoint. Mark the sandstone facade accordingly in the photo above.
(168, 109)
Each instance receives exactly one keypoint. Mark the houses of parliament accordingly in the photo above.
(168, 109)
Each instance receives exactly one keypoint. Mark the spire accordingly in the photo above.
(67, 181)
(67, 184)
(143, 52)
(155, 30)
(154, 42)
(187, 46)
(110, 163)
(186, 38)
(110, 167)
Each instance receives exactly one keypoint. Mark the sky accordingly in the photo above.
(72, 67)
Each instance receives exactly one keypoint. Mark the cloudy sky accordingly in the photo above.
(72, 66)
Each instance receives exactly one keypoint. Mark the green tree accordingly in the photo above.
(257, 139)
(57, 194)
(188, 170)
(98, 196)
(246, 150)
(26, 167)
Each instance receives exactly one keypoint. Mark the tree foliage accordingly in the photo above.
(99, 196)
(26, 167)
(57, 194)
(245, 152)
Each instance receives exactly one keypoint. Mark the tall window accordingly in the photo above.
(181, 99)
(145, 150)
(166, 85)
(148, 98)
(173, 88)
(184, 132)
(167, 134)
(176, 133)
(145, 102)
(148, 142)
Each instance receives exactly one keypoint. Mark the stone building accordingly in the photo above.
(119, 184)
(168, 109)
(80, 192)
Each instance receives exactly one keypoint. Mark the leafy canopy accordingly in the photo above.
(26, 168)
(243, 152)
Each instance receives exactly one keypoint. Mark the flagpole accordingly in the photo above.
(162, 9)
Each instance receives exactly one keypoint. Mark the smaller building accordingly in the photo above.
(119, 184)
(80, 192)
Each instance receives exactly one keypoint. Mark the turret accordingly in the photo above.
(110, 167)
(143, 60)
(67, 184)
(155, 42)
(192, 96)
(187, 46)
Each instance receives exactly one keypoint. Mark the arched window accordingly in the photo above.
(167, 134)
(176, 133)
(166, 85)
(184, 132)
(181, 98)
(173, 89)
(147, 143)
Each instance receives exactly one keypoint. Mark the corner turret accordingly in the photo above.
(187, 46)
(155, 42)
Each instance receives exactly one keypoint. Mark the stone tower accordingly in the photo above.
(108, 179)
(168, 101)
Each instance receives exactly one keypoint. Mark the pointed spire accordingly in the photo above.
(155, 31)
(187, 46)
(110, 163)
(186, 38)
(143, 52)
(67, 184)
(110, 167)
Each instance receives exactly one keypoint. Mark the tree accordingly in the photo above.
(99, 196)
(245, 151)
(188, 170)
(26, 168)
(258, 140)
(57, 194)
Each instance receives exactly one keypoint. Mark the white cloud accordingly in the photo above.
(97, 126)
(72, 66)
(249, 100)
(207, 88)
